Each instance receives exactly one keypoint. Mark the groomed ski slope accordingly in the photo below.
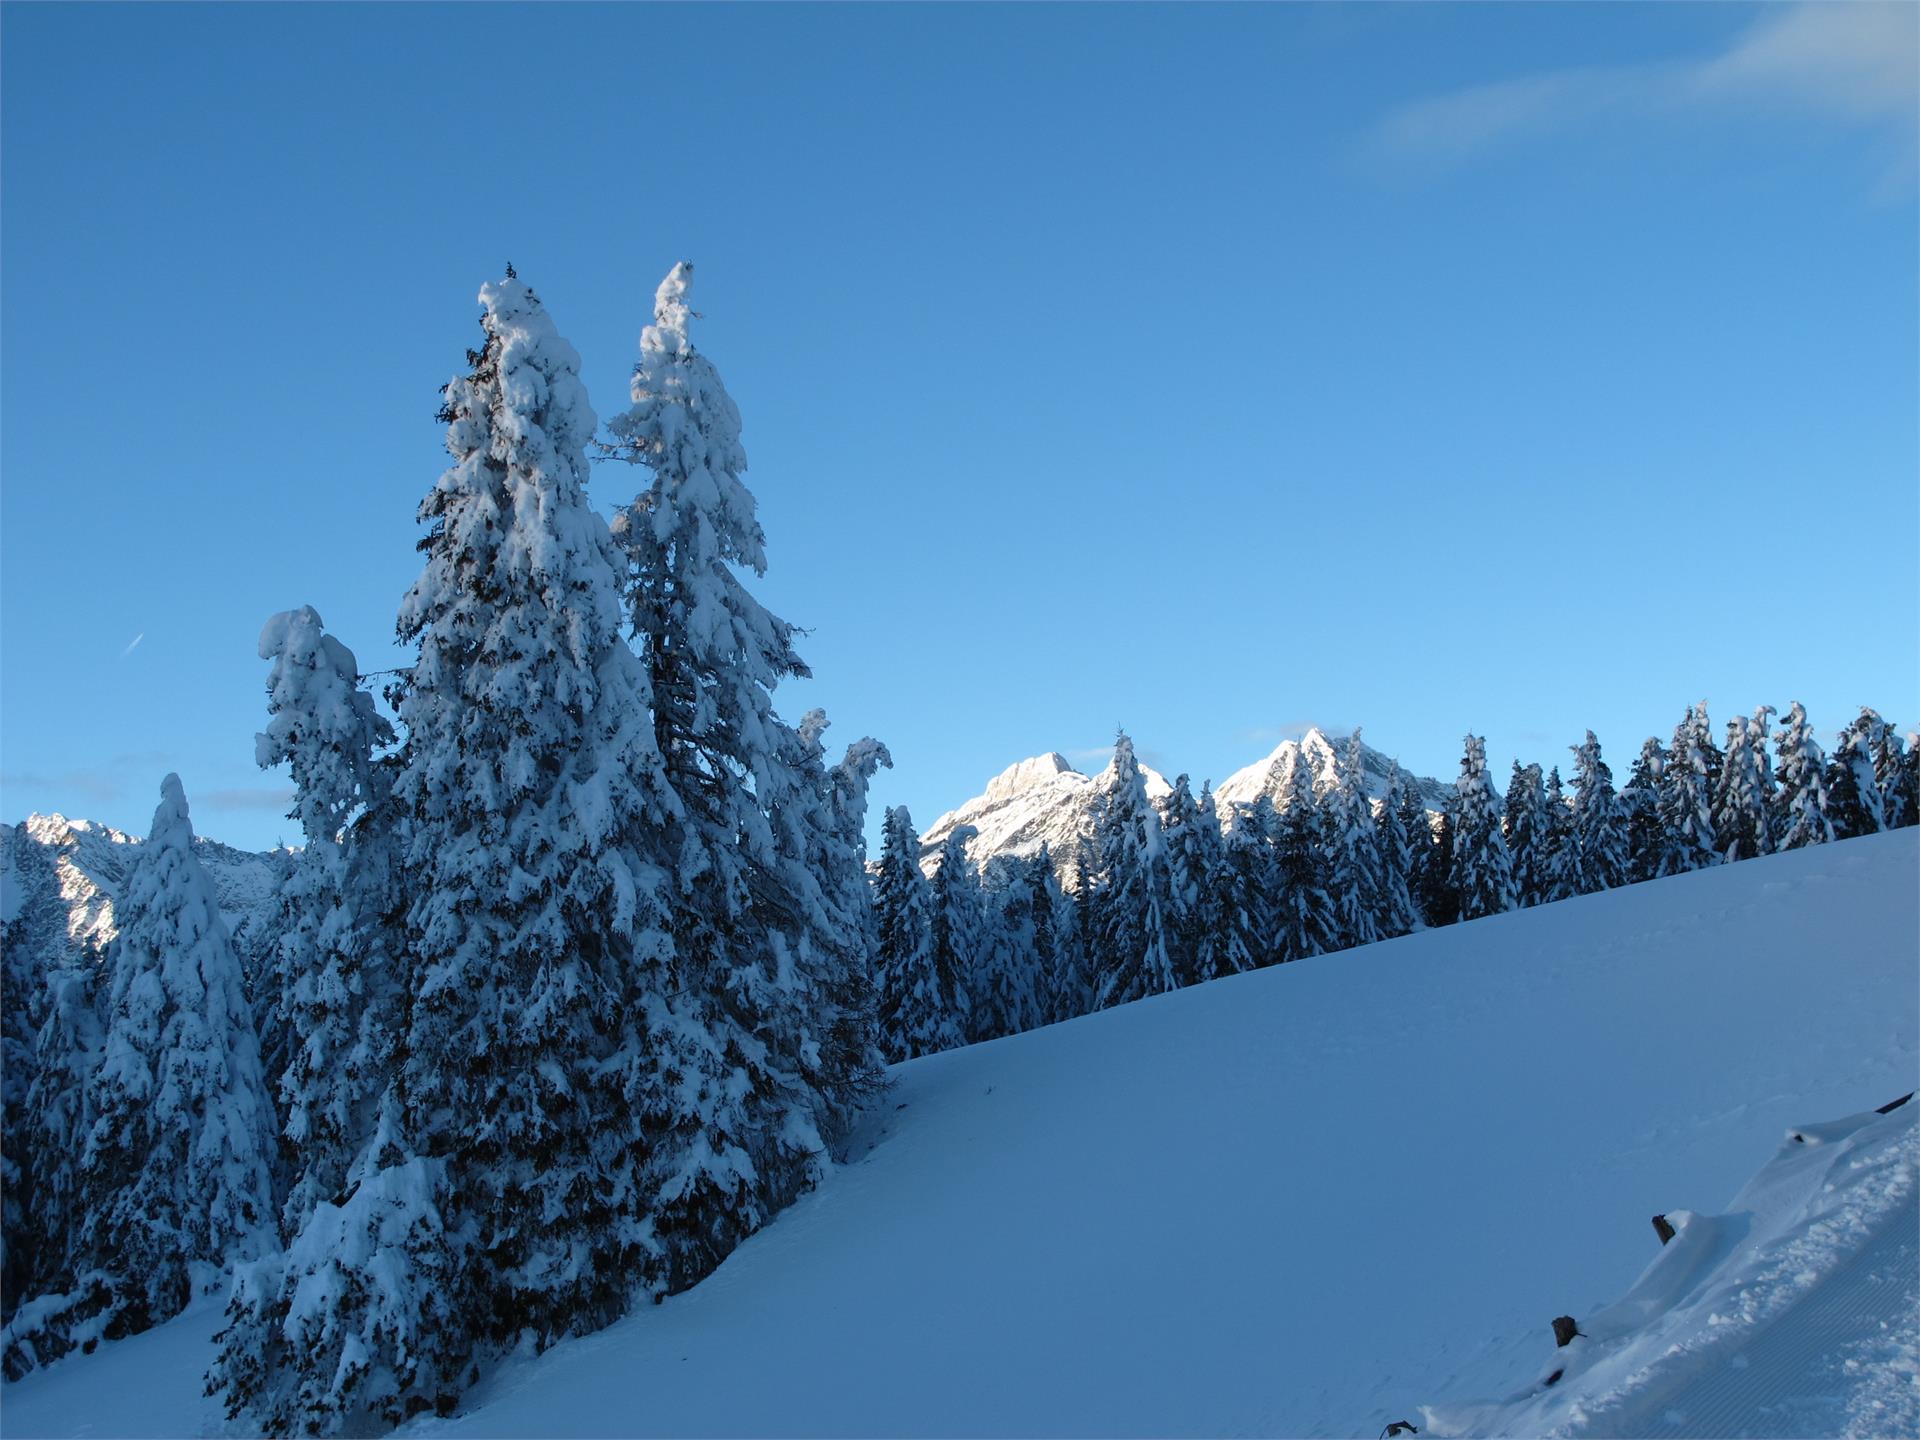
(1306, 1201)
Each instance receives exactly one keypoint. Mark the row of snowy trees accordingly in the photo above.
(573, 990)
(1171, 895)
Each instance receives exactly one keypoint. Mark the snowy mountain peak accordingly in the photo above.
(1044, 800)
(1025, 774)
(1274, 775)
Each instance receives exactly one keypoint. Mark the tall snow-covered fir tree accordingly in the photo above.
(1354, 871)
(853, 1068)
(1599, 846)
(1249, 899)
(959, 935)
(1640, 810)
(1853, 790)
(1432, 876)
(1556, 866)
(56, 1121)
(1801, 798)
(1526, 823)
(336, 977)
(1195, 858)
(761, 936)
(1897, 778)
(1481, 872)
(1135, 894)
(1402, 825)
(1004, 987)
(1684, 801)
(528, 1162)
(174, 1180)
(1743, 804)
(1303, 915)
(921, 1008)
(1207, 916)
(1051, 921)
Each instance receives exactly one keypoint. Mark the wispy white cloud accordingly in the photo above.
(1855, 61)
(133, 644)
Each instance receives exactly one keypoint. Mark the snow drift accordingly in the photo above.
(1303, 1201)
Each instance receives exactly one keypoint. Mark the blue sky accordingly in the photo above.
(1211, 370)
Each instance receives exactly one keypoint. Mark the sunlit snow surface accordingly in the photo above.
(1303, 1202)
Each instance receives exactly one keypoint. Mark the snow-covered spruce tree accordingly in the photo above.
(336, 977)
(20, 993)
(1250, 899)
(1354, 870)
(746, 917)
(1707, 754)
(1050, 919)
(67, 1300)
(1080, 977)
(959, 931)
(1743, 803)
(1194, 857)
(820, 921)
(1208, 918)
(921, 1008)
(1599, 836)
(1481, 870)
(1402, 825)
(1557, 853)
(174, 1182)
(1640, 811)
(1136, 896)
(1303, 914)
(1003, 990)
(1910, 777)
(527, 1172)
(1524, 823)
(1897, 778)
(1433, 891)
(1853, 791)
(853, 1067)
(1801, 799)
(1684, 802)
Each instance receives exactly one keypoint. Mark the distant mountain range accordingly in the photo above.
(60, 880)
(1044, 800)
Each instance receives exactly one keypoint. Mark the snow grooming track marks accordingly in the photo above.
(1793, 1315)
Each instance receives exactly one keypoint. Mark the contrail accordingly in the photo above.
(133, 644)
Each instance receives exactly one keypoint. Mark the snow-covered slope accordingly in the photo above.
(1304, 1201)
(1795, 1313)
(1044, 799)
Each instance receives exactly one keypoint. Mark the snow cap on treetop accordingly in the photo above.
(170, 822)
(668, 333)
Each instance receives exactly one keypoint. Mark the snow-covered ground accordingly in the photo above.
(1313, 1200)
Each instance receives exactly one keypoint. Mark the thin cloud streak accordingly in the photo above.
(1856, 63)
(133, 644)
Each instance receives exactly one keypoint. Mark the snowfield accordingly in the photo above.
(1318, 1198)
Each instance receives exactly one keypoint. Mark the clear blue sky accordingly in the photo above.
(1213, 370)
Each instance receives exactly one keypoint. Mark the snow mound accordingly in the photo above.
(1794, 1314)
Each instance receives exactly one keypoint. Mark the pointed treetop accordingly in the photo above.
(511, 273)
(668, 333)
(171, 825)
